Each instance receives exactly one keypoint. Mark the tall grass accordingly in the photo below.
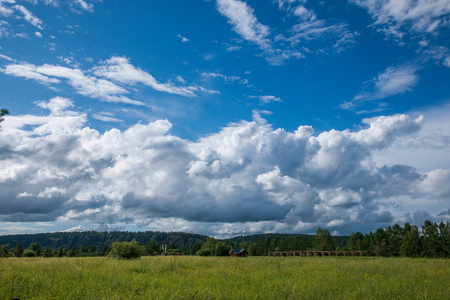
(191, 277)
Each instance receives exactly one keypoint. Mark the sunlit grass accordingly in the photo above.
(191, 277)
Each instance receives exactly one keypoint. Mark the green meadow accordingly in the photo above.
(193, 277)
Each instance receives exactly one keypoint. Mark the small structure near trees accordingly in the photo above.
(238, 253)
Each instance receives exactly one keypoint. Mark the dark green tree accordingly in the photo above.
(3, 112)
(18, 251)
(60, 252)
(222, 249)
(126, 250)
(411, 242)
(48, 252)
(323, 240)
(394, 239)
(36, 247)
(355, 241)
(73, 251)
(380, 246)
(152, 248)
(210, 244)
(194, 248)
(4, 250)
(431, 244)
(444, 234)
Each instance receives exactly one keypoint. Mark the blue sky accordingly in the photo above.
(224, 117)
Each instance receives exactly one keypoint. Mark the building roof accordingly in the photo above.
(236, 251)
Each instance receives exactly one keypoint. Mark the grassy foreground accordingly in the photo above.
(191, 277)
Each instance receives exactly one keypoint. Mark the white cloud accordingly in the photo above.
(309, 28)
(84, 5)
(106, 118)
(78, 228)
(246, 178)
(398, 17)
(390, 82)
(120, 70)
(182, 38)
(38, 34)
(228, 79)
(267, 99)
(29, 17)
(121, 77)
(28, 71)
(6, 10)
(241, 16)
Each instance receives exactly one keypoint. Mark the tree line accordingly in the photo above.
(430, 240)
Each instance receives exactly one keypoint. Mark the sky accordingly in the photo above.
(224, 117)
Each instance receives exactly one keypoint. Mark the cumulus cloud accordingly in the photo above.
(110, 81)
(246, 178)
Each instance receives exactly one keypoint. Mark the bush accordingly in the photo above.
(29, 253)
(204, 252)
(126, 250)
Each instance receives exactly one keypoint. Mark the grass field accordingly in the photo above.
(191, 277)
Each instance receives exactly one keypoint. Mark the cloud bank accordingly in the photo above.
(247, 178)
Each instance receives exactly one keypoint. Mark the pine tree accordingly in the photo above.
(431, 244)
(18, 251)
(60, 252)
(48, 252)
(73, 252)
(411, 242)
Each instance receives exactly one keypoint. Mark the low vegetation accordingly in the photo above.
(194, 277)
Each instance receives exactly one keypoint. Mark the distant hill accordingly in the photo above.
(101, 240)
(68, 240)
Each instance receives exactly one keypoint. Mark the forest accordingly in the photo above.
(430, 240)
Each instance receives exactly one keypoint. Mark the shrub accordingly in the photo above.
(29, 253)
(204, 252)
(48, 252)
(126, 250)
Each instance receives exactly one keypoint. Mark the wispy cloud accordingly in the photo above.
(182, 38)
(241, 16)
(110, 81)
(398, 17)
(29, 17)
(84, 5)
(309, 27)
(390, 82)
(228, 79)
(267, 99)
(106, 118)
(120, 70)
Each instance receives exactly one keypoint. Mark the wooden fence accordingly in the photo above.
(318, 253)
